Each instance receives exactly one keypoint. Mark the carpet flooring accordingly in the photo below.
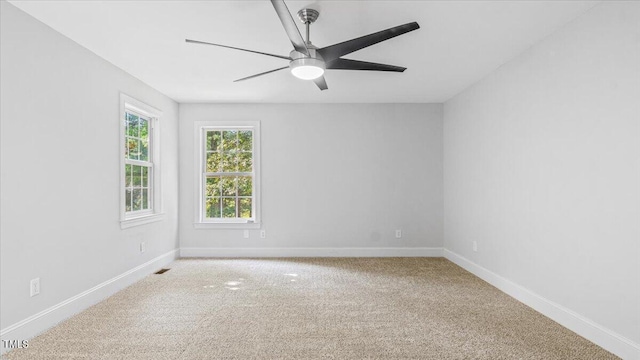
(318, 308)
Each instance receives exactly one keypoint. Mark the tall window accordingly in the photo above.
(229, 173)
(138, 164)
(140, 194)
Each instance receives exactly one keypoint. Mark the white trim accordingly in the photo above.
(138, 106)
(198, 141)
(222, 225)
(598, 334)
(134, 219)
(311, 252)
(38, 323)
(141, 220)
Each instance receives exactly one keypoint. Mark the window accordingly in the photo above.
(138, 165)
(140, 185)
(228, 174)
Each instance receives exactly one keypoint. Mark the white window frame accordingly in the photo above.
(155, 213)
(200, 128)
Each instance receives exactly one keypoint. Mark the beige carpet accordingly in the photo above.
(356, 308)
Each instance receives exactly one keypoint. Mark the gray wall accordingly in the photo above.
(60, 169)
(333, 176)
(542, 169)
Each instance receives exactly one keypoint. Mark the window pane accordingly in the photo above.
(245, 140)
(229, 207)
(144, 149)
(144, 128)
(213, 208)
(214, 162)
(245, 208)
(139, 150)
(244, 186)
(145, 199)
(136, 199)
(144, 180)
(213, 140)
(230, 140)
(132, 144)
(228, 186)
(132, 128)
(127, 175)
(245, 162)
(127, 201)
(137, 175)
(213, 187)
(229, 162)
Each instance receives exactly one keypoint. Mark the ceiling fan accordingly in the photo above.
(309, 62)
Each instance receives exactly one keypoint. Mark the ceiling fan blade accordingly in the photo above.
(235, 48)
(290, 26)
(335, 51)
(321, 82)
(262, 73)
(347, 64)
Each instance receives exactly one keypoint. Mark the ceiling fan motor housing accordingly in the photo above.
(307, 67)
(313, 53)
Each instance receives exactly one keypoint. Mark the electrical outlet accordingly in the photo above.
(34, 287)
(263, 234)
(398, 234)
(143, 247)
(246, 234)
(475, 245)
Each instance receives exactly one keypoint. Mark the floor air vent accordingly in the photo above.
(162, 271)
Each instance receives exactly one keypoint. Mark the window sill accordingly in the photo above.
(213, 225)
(141, 220)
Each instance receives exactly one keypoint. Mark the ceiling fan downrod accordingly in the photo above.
(308, 17)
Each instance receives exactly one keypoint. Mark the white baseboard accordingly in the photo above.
(311, 252)
(38, 323)
(603, 337)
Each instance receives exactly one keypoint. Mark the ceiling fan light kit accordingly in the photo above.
(307, 68)
(307, 62)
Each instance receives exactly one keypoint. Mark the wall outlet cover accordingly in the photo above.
(34, 287)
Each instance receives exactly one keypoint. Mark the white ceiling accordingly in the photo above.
(459, 43)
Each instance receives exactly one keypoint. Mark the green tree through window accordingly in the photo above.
(228, 174)
(138, 165)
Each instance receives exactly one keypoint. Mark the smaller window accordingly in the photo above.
(138, 164)
(228, 174)
(140, 185)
